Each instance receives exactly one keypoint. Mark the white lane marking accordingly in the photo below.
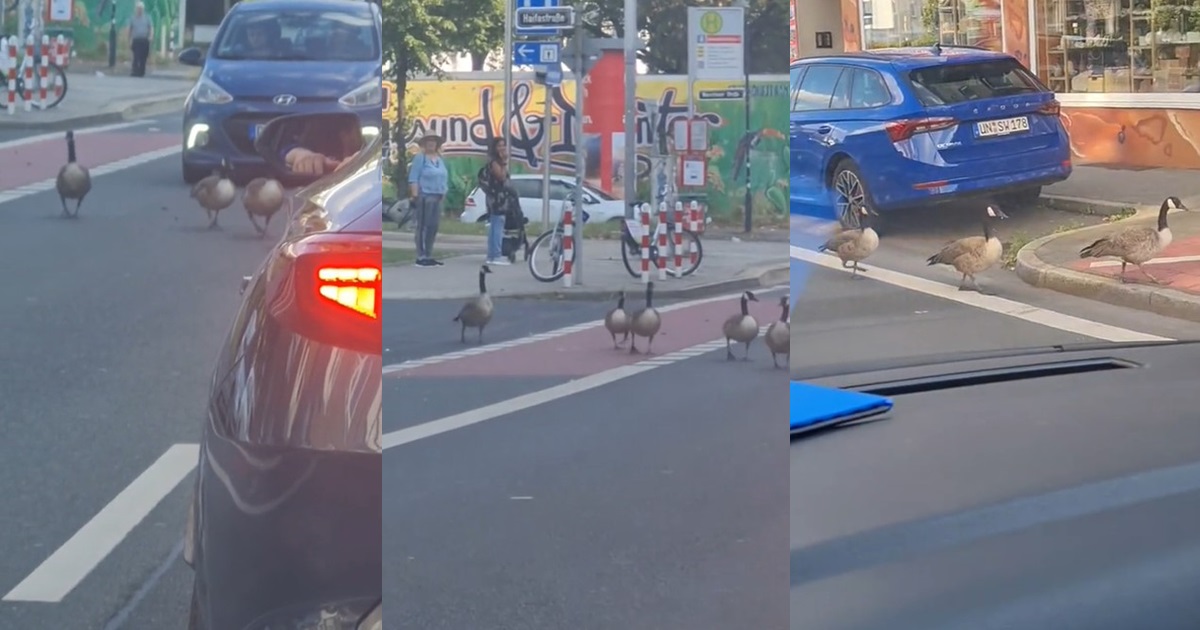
(59, 135)
(1156, 261)
(104, 169)
(432, 428)
(76, 558)
(544, 336)
(1003, 306)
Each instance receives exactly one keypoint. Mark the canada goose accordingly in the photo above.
(74, 181)
(263, 198)
(477, 312)
(973, 254)
(741, 327)
(617, 321)
(1136, 245)
(215, 192)
(779, 334)
(854, 245)
(645, 322)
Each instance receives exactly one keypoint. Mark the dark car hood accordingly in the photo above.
(303, 79)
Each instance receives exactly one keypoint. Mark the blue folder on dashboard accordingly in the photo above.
(814, 407)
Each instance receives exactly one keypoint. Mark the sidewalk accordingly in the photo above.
(1053, 261)
(728, 266)
(96, 98)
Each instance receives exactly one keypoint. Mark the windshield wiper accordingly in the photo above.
(814, 407)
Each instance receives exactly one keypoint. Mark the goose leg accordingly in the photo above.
(614, 338)
(1152, 278)
(728, 350)
(746, 356)
(267, 225)
(962, 284)
(774, 359)
(650, 345)
(257, 228)
(66, 213)
(462, 334)
(78, 202)
(633, 346)
(481, 335)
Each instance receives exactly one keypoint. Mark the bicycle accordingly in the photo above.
(631, 246)
(53, 95)
(553, 239)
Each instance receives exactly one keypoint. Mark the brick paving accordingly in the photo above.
(1181, 275)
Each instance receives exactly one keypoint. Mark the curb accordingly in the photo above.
(1162, 301)
(126, 111)
(1080, 205)
(766, 276)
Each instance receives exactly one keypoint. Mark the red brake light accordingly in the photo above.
(336, 290)
(470, 201)
(1051, 108)
(899, 130)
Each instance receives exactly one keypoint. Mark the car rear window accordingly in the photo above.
(963, 82)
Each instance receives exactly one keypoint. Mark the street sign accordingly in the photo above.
(715, 43)
(534, 4)
(391, 105)
(554, 75)
(535, 54)
(549, 19)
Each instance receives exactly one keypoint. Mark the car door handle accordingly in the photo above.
(824, 129)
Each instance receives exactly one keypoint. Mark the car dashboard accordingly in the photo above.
(1056, 488)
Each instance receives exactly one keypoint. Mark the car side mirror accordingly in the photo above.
(333, 137)
(191, 57)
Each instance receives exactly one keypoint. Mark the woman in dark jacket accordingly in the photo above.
(494, 179)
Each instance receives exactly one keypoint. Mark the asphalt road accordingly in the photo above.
(111, 326)
(647, 502)
(902, 308)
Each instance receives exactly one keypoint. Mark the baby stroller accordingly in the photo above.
(514, 233)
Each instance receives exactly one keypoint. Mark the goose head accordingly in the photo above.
(485, 269)
(994, 212)
(1173, 203)
(749, 295)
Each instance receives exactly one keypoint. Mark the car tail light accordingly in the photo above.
(335, 290)
(899, 130)
(470, 202)
(1051, 108)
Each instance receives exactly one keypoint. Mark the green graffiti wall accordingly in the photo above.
(90, 29)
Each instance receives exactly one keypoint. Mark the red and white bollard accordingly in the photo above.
(679, 239)
(660, 231)
(60, 60)
(645, 253)
(568, 245)
(10, 64)
(42, 72)
(694, 223)
(27, 64)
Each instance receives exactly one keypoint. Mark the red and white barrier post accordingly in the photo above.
(660, 231)
(10, 65)
(679, 239)
(60, 60)
(694, 227)
(42, 73)
(645, 253)
(568, 245)
(27, 64)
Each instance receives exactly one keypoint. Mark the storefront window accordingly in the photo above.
(925, 22)
(1118, 45)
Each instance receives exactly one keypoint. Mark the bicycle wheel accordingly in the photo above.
(631, 255)
(550, 244)
(54, 95)
(692, 241)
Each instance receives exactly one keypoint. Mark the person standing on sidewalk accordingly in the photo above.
(493, 178)
(428, 183)
(141, 31)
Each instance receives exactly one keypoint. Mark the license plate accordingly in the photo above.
(1007, 126)
(255, 131)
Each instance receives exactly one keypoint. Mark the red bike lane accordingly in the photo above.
(590, 351)
(35, 162)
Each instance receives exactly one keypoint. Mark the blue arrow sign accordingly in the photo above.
(535, 54)
(535, 4)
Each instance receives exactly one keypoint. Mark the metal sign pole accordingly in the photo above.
(580, 148)
(506, 126)
(546, 157)
(630, 171)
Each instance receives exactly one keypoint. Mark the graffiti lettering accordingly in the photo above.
(470, 134)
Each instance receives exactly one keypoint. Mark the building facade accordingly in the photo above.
(1127, 72)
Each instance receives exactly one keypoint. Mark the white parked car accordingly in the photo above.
(599, 206)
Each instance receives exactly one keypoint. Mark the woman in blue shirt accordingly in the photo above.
(428, 182)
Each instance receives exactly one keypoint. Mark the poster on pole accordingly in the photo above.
(59, 10)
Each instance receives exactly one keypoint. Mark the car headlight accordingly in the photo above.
(345, 615)
(372, 620)
(209, 93)
(365, 95)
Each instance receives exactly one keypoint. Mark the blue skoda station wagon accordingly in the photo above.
(907, 127)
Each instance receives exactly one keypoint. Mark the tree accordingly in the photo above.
(479, 27)
(665, 22)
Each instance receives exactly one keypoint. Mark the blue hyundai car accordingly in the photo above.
(910, 127)
(271, 58)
